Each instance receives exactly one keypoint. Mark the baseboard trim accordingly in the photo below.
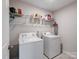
(70, 54)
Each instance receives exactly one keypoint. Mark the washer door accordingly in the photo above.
(51, 47)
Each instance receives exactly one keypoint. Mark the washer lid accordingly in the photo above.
(27, 38)
(52, 36)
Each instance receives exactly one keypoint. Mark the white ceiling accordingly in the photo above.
(50, 5)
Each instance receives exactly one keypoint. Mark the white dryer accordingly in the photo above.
(30, 46)
(51, 45)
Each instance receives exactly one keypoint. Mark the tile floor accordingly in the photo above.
(61, 56)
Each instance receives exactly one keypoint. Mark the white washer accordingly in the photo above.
(30, 47)
(51, 45)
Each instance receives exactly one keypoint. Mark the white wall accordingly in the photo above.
(5, 29)
(67, 21)
(27, 10)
